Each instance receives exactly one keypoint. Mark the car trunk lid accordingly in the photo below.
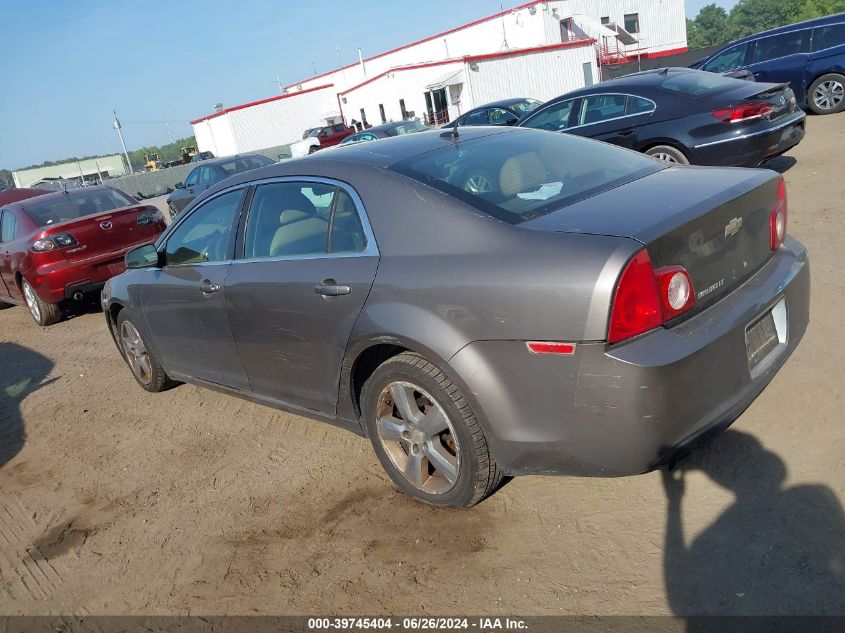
(712, 221)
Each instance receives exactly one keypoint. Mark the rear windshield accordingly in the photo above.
(244, 163)
(78, 204)
(521, 175)
(698, 83)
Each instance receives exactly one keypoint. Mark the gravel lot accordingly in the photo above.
(113, 500)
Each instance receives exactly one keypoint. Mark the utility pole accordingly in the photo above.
(122, 142)
(169, 134)
(279, 82)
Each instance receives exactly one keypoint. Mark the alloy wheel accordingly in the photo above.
(136, 352)
(31, 301)
(829, 94)
(666, 158)
(418, 436)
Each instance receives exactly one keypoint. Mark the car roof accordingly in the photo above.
(797, 26)
(54, 195)
(226, 159)
(644, 79)
(384, 126)
(8, 196)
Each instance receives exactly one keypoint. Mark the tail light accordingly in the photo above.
(646, 299)
(744, 112)
(777, 217)
(53, 242)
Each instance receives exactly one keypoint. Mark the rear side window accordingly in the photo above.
(554, 118)
(71, 206)
(781, 45)
(600, 108)
(638, 105)
(8, 226)
(828, 36)
(293, 218)
(698, 84)
(728, 59)
(520, 175)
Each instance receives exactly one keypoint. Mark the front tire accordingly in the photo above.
(145, 367)
(668, 154)
(42, 312)
(826, 94)
(312, 149)
(426, 435)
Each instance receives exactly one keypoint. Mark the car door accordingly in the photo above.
(613, 118)
(307, 262)
(184, 301)
(8, 230)
(781, 58)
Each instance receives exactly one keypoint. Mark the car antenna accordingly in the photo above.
(663, 71)
(455, 129)
(453, 134)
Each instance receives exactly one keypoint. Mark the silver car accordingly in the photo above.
(500, 302)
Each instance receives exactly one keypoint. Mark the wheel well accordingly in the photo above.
(19, 280)
(672, 144)
(114, 310)
(364, 366)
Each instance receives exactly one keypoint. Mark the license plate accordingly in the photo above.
(761, 338)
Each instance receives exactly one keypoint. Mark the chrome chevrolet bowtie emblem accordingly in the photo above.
(733, 227)
(106, 226)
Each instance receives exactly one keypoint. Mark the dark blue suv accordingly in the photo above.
(809, 55)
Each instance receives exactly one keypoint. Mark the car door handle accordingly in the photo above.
(627, 132)
(206, 287)
(330, 288)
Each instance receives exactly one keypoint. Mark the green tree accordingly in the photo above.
(709, 27)
(752, 16)
(818, 8)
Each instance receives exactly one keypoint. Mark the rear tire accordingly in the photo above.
(436, 451)
(145, 367)
(826, 94)
(42, 312)
(312, 149)
(668, 154)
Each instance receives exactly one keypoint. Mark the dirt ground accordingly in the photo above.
(116, 501)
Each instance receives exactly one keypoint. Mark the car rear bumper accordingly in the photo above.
(627, 408)
(751, 148)
(57, 281)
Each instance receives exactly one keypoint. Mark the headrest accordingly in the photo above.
(521, 173)
(292, 215)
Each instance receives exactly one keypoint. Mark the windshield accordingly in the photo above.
(406, 128)
(698, 83)
(72, 206)
(314, 132)
(519, 176)
(524, 107)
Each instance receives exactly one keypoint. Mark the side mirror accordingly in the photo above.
(142, 257)
(179, 185)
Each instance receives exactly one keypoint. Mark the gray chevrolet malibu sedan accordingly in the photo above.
(500, 302)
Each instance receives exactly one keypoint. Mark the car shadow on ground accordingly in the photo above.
(90, 304)
(23, 371)
(777, 550)
(780, 164)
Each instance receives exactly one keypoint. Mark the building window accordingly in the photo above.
(402, 110)
(363, 117)
(381, 113)
(605, 20)
(632, 22)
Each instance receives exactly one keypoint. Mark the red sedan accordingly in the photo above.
(59, 246)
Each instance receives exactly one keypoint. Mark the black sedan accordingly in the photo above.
(398, 128)
(681, 116)
(594, 312)
(210, 173)
(505, 112)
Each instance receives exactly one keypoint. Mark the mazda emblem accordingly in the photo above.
(106, 226)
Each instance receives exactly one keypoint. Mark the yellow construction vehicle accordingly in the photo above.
(152, 162)
(187, 153)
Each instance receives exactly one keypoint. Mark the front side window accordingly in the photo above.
(526, 174)
(600, 108)
(632, 22)
(498, 116)
(294, 218)
(728, 59)
(192, 178)
(207, 176)
(206, 234)
(781, 45)
(8, 226)
(72, 206)
(477, 118)
(828, 36)
(554, 118)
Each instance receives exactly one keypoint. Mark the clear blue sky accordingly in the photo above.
(67, 64)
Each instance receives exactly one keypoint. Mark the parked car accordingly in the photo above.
(681, 116)
(209, 173)
(201, 156)
(63, 245)
(810, 56)
(320, 138)
(387, 130)
(594, 313)
(16, 195)
(505, 112)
